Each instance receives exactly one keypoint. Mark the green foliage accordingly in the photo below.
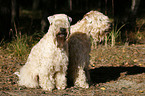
(113, 35)
(21, 45)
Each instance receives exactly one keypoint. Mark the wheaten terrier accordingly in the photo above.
(48, 60)
(92, 25)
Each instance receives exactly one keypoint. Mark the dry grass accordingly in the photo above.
(117, 56)
(21, 45)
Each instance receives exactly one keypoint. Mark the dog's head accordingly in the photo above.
(61, 24)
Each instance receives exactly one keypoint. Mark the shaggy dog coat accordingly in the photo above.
(94, 24)
(48, 59)
(79, 48)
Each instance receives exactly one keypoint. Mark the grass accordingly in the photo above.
(139, 34)
(117, 56)
(113, 35)
(21, 45)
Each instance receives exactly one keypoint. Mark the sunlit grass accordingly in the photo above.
(113, 35)
(21, 45)
(116, 56)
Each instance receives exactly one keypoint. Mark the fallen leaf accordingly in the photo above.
(93, 65)
(141, 91)
(135, 60)
(139, 64)
(123, 50)
(103, 88)
(126, 63)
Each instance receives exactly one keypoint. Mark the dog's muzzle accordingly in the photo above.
(61, 37)
(62, 33)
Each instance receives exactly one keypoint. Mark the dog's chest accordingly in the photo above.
(60, 60)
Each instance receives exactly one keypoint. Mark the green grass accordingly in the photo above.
(21, 45)
(113, 35)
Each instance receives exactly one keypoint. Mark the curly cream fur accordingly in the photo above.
(94, 24)
(46, 60)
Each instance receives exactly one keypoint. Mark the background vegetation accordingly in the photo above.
(29, 21)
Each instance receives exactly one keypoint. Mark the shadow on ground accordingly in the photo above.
(106, 74)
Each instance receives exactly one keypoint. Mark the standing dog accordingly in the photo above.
(79, 49)
(92, 25)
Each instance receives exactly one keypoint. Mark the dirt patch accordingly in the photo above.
(114, 71)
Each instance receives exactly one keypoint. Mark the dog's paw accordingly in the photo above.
(48, 88)
(60, 88)
(82, 84)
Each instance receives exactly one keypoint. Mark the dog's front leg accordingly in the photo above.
(81, 79)
(46, 81)
(60, 80)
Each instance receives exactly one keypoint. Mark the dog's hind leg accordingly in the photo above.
(28, 78)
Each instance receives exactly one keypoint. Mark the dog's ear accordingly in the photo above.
(70, 19)
(50, 19)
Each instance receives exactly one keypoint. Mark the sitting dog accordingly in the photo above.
(48, 60)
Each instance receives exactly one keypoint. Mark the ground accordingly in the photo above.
(116, 71)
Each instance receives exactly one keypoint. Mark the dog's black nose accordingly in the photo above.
(62, 30)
